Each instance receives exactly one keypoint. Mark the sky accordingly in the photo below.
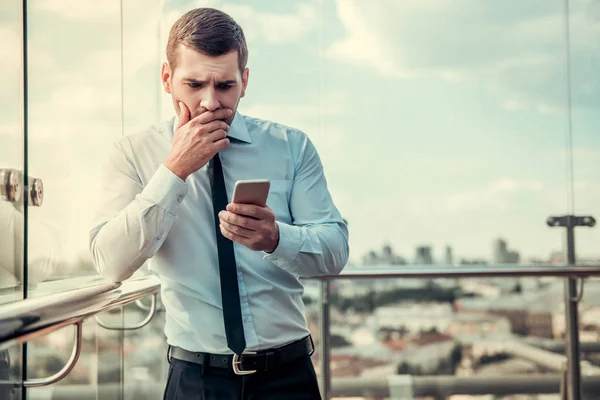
(441, 123)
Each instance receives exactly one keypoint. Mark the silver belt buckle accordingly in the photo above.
(235, 362)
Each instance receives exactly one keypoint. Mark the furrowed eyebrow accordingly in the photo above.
(227, 82)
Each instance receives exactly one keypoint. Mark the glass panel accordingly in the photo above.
(450, 144)
(49, 354)
(110, 355)
(74, 116)
(144, 350)
(145, 363)
(12, 220)
(468, 328)
(11, 372)
(584, 53)
(446, 145)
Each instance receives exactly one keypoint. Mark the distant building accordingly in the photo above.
(557, 258)
(385, 257)
(423, 255)
(501, 254)
(530, 314)
(475, 261)
(448, 256)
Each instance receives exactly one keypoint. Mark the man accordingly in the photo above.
(229, 272)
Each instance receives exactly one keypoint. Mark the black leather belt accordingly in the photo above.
(248, 362)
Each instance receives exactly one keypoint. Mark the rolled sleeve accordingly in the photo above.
(165, 189)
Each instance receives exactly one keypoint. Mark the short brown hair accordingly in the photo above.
(208, 31)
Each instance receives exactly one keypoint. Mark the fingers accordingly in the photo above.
(212, 127)
(236, 238)
(220, 145)
(209, 116)
(251, 210)
(241, 223)
(184, 115)
(235, 229)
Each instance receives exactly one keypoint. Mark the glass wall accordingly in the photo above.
(12, 219)
(74, 116)
(584, 63)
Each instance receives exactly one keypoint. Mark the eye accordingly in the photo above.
(193, 85)
(224, 87)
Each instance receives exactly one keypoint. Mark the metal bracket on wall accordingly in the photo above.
(12, 186)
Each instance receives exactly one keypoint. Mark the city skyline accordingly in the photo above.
(425, 254)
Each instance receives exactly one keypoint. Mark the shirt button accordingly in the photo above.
(179, 199)
(159, 237)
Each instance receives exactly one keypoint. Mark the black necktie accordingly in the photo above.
(230, 295)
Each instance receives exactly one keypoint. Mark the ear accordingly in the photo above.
(166, 75)
(245, 81)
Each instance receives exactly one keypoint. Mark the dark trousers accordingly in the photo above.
(295, 380)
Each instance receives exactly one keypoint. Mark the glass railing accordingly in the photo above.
(105, 357)
(418, 331)
(380, 332)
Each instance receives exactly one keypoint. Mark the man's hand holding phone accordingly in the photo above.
(197, 140)
(251, 226)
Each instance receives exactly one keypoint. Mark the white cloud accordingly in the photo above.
(494, 196)
(271, 27)
(519, 58)
(497, 195)
(290, 114)
(78, 10)
(260, 26)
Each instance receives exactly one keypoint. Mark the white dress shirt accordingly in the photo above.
(148, 213)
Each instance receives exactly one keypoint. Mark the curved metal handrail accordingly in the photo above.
(144, 307)
(463, 271)
(134, 327)
(26, 319)
(68, 366)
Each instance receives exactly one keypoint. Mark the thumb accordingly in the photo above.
(184, 115)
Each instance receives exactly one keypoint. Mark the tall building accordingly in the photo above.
(448, 256)
(424, 255)
(501, 254)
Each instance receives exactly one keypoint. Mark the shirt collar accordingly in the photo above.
(238, 129)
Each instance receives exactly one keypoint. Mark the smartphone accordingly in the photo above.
(252, 191)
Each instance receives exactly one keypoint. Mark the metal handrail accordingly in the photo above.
(139, 325)
(23, 320)
(444, 386)
(463, 271)
(68, 366)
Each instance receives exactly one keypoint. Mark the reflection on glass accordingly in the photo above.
(74, 110)
(11, 214)
(11, 162)
(10, 373)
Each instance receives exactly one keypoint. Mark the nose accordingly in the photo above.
(210, 101)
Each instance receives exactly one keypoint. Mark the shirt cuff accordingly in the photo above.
(290, 242)
(165, 189)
